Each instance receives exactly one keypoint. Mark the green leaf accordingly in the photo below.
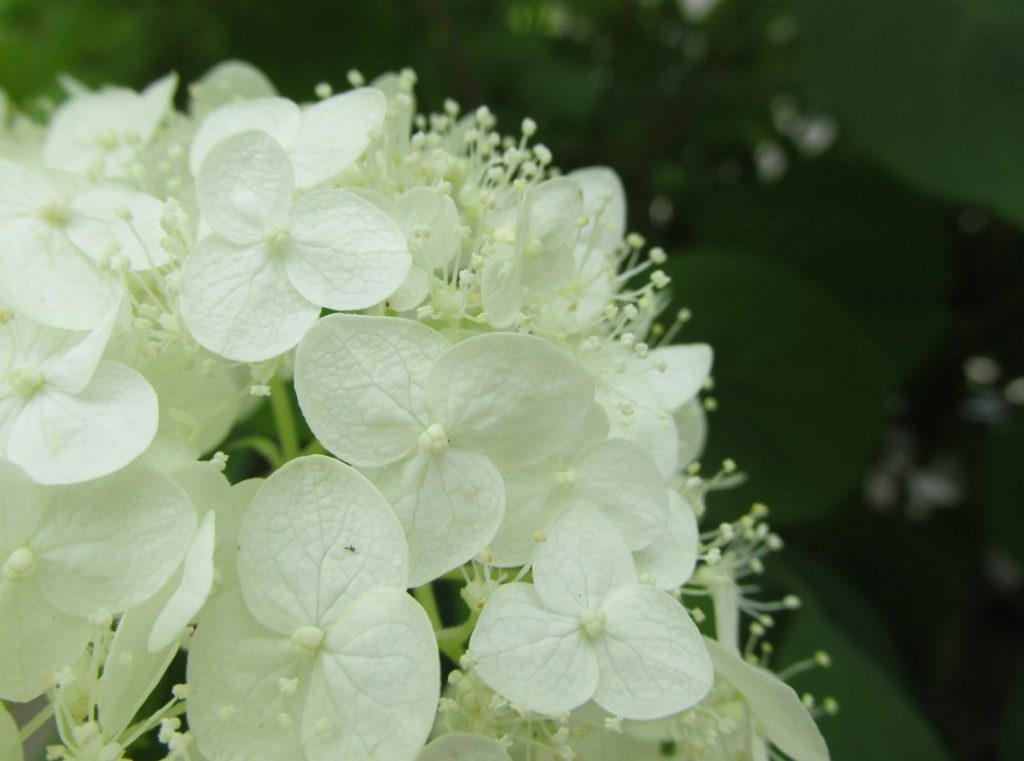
(800, 386)
(877, 719)
(881, 251)
(930, 87)
(997, 456)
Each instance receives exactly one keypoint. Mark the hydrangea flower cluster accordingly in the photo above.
(502, 426)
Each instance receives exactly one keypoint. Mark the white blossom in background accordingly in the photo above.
(491, 463)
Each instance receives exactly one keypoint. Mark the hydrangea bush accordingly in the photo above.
(502, 425)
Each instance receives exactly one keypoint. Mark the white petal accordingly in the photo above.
(687, 369)
(670, 559)
(334, 133)
(462, 747)
(44, 276)
(65, 438)
(535, 658)
(411, 293)
(278, 117)
(36, 641)
(602, 185)
(652, 659)
(97, 228)
(450, 505)
(10, 744)
(583, 560)
(779, 712)
(654, 431)
(131, 671)
(345, 253)
(361, 385)
(111, 543)
(376, 683)
(229, 516)
(532, 501)
(192, 590)
(546, 233)
(692, 426)
(316, 536)
(244, 186)
(625, 483)
(239, 303)
(429, 208)
(228, 82)
(516, 398)
(501, 288)
(235, 668)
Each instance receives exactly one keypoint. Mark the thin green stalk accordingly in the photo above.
(425, 596)
(37, 721)
(287, 434)
(262, 446)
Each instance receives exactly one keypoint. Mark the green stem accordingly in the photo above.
(425, 596)
(281, 405)
(37, 721)
(451, 640)
(314, 447)
(262, 446)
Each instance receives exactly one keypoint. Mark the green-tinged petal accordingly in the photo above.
(345, 253)
(109, 544)
(316, 536)
(514, 397)
(36, 640)
(239, 303)
(334, 133)
(67, 438)
(361, 383)
(98, 227)
(278, 117)
(192, 589)
(670, 559)
(652, 659)
(239, 709)
(374, 689)
(624, 482)
(430, 222)
(132, 670)
(583, 560)
(780, 714)
(245, 187)
(449, 503)
(535, 658)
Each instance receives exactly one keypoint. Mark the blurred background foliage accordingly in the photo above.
(840, 184)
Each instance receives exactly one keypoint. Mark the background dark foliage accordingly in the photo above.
(867, 307)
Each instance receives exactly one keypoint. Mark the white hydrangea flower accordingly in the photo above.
(253, 288)
(66, 415)
(323, 655)
(99, 133)
(393, 394)
(615, 475)
(72, 552)
(586, 629)
(64, 245)
(320, 140)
